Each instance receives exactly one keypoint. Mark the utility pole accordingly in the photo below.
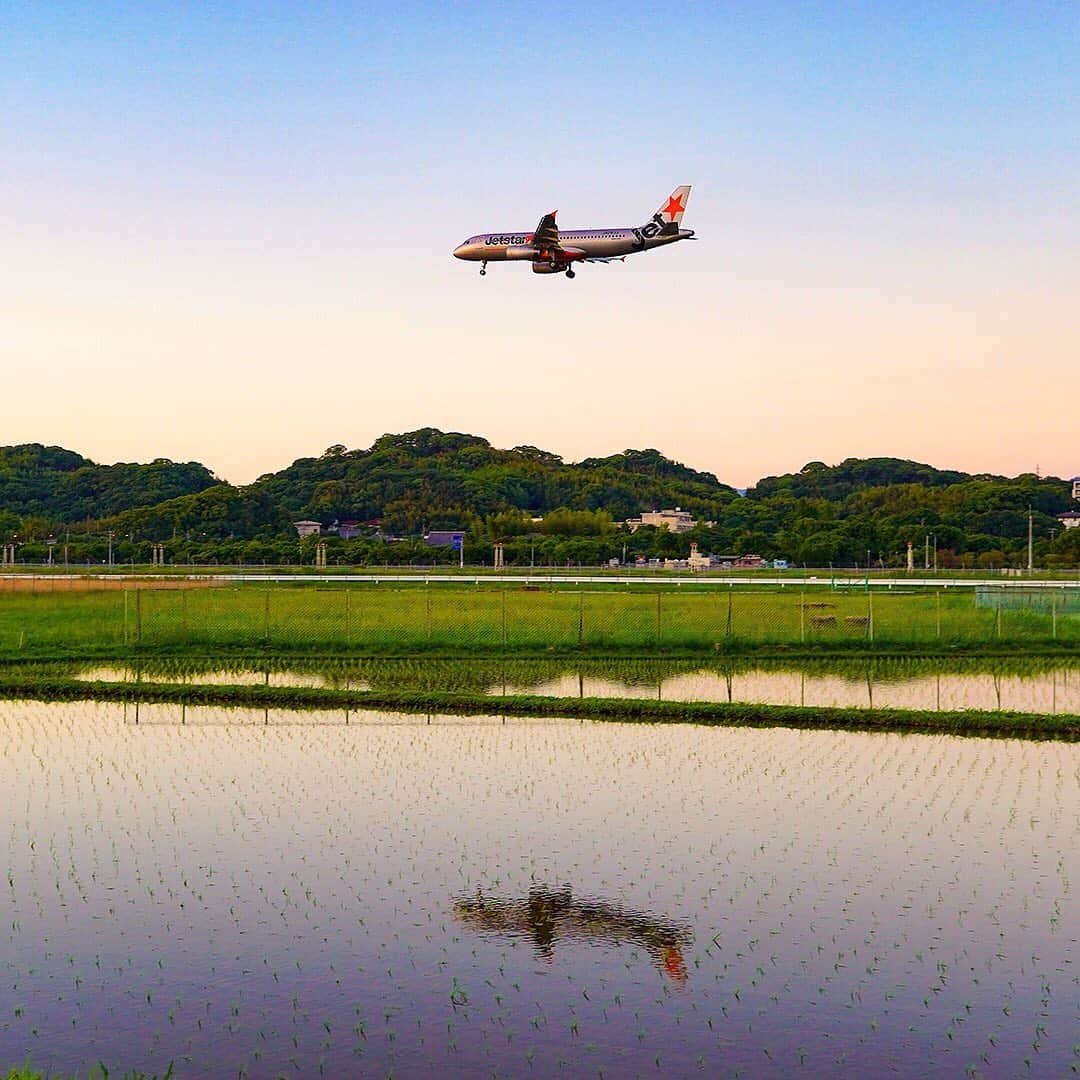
(110, 548)
(1030, 540)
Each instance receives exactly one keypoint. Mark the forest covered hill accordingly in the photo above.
(428, 479)
(62, 486)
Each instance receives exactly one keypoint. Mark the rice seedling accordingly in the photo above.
(225, 887)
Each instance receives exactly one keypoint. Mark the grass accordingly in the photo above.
(960, 722)
(482, 619)
(97, 1072)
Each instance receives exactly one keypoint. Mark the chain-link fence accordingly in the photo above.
(415, 617)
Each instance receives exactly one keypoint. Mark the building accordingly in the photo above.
(1076, 487)
(448, 539)
(1070, 519)
(696, 561)
(307, 528)
(750, 562)
(347, 530)
(676, 521)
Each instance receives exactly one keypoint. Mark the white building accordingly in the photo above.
(1070, 519)
(307, 528)
(697, 561)
(1076, 487)
(676, 521)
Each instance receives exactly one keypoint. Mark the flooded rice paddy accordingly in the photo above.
(1047, 686)
(260, 894)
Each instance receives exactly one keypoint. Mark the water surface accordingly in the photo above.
(255, 893)
(1035, 686)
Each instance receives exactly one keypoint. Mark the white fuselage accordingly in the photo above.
(592, 243)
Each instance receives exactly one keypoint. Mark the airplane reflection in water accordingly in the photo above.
(547, 916)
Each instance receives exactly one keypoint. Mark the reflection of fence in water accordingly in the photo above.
(548, 916)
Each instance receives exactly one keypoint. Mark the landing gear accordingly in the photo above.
(483, 268)
(570, 272)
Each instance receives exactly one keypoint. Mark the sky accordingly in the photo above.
(227, 230)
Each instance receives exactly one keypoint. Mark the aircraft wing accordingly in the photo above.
(547, 233)
(605, 259)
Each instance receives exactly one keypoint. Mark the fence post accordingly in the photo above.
(997, 621)
(266, 617)
(427, 600)
(125, 616)
(659, 625)
(937, 596)
(870, 616)
(727, 630)
(581, 616)
(504, 616)
(138, 615)
(348, 597)
(1053, 619)
(802, 617)
(183, 612)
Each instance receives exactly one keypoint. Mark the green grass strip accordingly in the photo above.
(97, 1072)
(1063, 727)
(413, 650)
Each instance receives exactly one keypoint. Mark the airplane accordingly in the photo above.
(552, 252)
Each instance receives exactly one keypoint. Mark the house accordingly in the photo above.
(347, 530)
(1070, 519)
(1076, 487)
(750, 562)
(676, 521)
(307, 528)
(445, 538)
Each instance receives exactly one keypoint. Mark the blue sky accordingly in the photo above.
(230, 229)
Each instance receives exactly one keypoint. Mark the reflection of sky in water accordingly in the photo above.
(245, 894)
(1046, 692)
(1055, 691)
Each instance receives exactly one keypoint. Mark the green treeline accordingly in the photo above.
(406, 485)
(45, 486)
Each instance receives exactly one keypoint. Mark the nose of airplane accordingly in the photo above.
(461, 251)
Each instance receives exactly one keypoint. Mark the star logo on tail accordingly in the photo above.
(674, 207)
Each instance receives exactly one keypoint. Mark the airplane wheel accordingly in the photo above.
(570, 274)
(483, 272)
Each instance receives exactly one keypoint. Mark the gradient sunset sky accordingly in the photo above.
(227, 230)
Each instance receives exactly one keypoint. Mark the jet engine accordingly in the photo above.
(521, 251)
(547, 268)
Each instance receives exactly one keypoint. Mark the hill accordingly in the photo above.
(816, 480)
(61, 485)
(431, 479)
